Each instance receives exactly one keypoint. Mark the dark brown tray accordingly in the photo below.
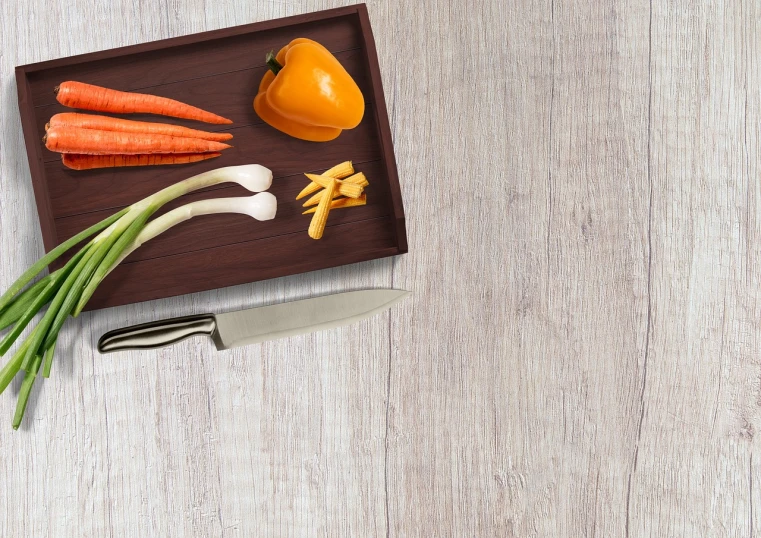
(220, 71)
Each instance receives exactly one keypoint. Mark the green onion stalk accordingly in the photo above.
(67, 290)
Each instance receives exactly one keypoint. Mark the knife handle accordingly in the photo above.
(157, 333)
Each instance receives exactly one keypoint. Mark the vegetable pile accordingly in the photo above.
(341, 187)
(91, 141)
(68, 289)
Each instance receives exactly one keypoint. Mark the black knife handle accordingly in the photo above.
(157, 333)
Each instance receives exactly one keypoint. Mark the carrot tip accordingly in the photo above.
(56, 90)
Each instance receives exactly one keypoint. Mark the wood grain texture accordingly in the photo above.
(581, 355)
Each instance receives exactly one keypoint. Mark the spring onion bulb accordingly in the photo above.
(68, 289)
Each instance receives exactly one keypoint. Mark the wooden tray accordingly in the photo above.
(220, 71)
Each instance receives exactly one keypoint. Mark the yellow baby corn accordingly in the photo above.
(309, 189)
(346, 189)
(339, 171)
(320, 218)
(357, 179)
(341, 202)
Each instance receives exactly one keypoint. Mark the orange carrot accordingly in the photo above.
(89, 97)
(95, 142)
(106, 123)
(77, 161)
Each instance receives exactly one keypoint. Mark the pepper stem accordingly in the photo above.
(272, 62)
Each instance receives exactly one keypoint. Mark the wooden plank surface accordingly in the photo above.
(581, 355)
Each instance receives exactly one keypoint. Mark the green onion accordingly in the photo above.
(49, 352)
(72, 278)
(38, 302)
(111, 255)
(12, 367)
(53, 255)
(26, 390)
(69, 289)
(22, 301)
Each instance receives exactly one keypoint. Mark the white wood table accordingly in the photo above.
(582, 353)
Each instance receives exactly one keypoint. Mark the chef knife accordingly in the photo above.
(254, 325)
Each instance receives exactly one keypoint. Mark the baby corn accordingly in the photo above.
(339, 171)
(341, 202)
(357, 179)
(346, 189)
(320, 218)
(338, 187)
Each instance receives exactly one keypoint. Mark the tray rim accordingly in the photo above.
(198, 37)
(34, 149)
(381, 118)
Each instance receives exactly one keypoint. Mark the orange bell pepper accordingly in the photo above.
(308, 94)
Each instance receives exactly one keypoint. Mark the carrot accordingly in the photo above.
(77, 161)
(96, 142)
(89, 97)
(106, 123)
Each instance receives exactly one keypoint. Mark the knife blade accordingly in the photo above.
(254, 325)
